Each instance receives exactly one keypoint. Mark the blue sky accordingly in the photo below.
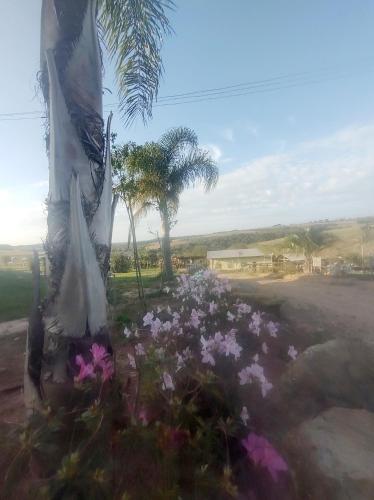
(291, 155)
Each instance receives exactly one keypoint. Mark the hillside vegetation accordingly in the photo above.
(340, 238)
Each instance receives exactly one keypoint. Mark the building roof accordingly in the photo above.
(235, 253)
(294, 257)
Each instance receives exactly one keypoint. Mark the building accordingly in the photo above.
(291, 262)
(243, 259)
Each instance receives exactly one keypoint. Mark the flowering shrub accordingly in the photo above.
(195, 362)
(180, 424)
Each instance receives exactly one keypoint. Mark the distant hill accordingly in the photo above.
(341, 237)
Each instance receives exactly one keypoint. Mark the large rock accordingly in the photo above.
(333, 455)
(336, 373)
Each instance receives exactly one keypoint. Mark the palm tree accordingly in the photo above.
(163, 170)
(306, 241)
(125, 186)
(80, 189)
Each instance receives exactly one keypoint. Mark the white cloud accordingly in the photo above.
(328, 177)
(214, 150)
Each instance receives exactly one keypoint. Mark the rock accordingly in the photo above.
(333, 455)
(336, 373)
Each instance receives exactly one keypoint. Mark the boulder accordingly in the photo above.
(333, 455)
(336, 373)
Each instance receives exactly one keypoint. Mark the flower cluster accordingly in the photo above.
(99, 366)
(205, 328)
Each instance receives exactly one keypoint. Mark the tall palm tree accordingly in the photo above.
(163, 170)
(80, 190)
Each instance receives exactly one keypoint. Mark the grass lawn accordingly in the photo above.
(16, 290)
(15, 294)
(121, 283)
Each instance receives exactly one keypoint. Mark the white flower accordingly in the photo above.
(139, 350)
(244, 308)
(166, 289)
(148, 318)
(244, 415)
(167, 382)
(207, 358)
(195, 321)
(230, 316)
(272, 328)
(131, 361)
(264, 348)
(212, 308)
(292, 352)
(265, 388)
(155, 327)
(255, 324)
(166, 327)
(127, 332)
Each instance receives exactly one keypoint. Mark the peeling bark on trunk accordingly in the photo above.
(80, 186)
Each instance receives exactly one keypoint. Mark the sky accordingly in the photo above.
(299, 149)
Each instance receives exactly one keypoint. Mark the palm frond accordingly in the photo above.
(175, 140)
(134, 32)
(194, 167)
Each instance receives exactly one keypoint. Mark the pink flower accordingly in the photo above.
(264, 348)
(262, 453)
(99, 354)
(85, 370)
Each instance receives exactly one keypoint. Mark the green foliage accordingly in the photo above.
(154, 176)
(134, 32)
(121, 263)
(16, 289)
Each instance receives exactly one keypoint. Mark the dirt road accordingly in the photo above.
(341, 306)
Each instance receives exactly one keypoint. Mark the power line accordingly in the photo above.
(281, 82)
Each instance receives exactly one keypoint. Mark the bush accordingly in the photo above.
(121, 263)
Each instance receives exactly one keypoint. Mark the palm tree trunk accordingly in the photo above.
(80, 189)
(166, 247)
(136, 254)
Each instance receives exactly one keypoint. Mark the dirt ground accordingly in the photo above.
(338, 306)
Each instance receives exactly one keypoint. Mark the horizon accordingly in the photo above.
(249, 229)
